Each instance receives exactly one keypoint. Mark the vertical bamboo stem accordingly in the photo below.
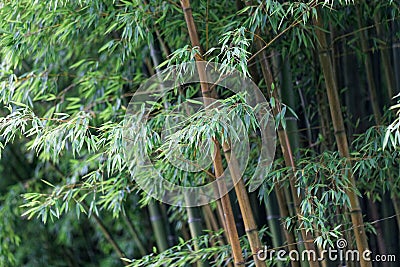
(158, 226)
(368, 67)
(340, 135)
(283, 205)
(396, 55)
(379, 233)
(210, 217)
(384, 52)
(195, 228)
(288, 97)
(273, 223)
(244, 204)
(287, 151)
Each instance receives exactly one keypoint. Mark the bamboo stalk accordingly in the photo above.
(195, 228)
(284, 212)
(396, 205)
(185, 232)
(368, 68)
(396, 55)
(334, 51)
(217, 162)
(384, 52)
(288, 97)
(354, 96)
(211, 223)
(228, 214)
(221, 219)
(283, 205)
(273, 223)
(374, 102)
(285, 144)
(373, 208)
(158, 226)
(286, 149)
(208, 213)
(244, 204)
(340, 135)
(379, 233)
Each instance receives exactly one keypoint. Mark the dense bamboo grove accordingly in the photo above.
(329, 71)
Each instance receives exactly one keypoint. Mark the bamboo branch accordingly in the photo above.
(106, 234)
(134, 235)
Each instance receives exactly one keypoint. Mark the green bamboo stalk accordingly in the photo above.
(288, 96)
(158, 226)
(334, 51)
(353, 93)
(384, 53)
(340, 135)
(396, 204)
(395, 198)
(273, 223)
(396, 55)
(193, 213)
(282, 70)
(374, 102)
(368, 67)
(171, 238)
(195, 228)
(391, 239)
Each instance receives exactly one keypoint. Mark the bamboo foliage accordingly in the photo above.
(69, 69)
